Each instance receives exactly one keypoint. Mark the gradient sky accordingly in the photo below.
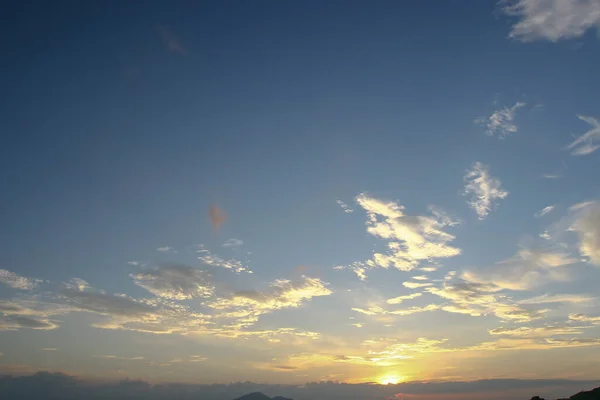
(285, 192)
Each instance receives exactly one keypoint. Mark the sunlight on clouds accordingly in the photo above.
(483, 190)
(477, 299)
(415, 285)
(400, 299)
(411, 239)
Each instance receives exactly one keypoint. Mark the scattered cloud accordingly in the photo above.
(134, 263)
(233, 243)
(164, 249)
(552, 20)
(10, 322)
(217, 217)
(17, 282)
(345, 207)
(206, 257)
(501, 122)
(483, 189)
(171, 42)
(589, 142)
(244, 307)
(177, 282)
(411, 239)
(544, 211)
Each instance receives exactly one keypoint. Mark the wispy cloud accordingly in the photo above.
(164, 249)
(206, 257)
(134, 263)
(177, 282)
(501, 122)
(482, 189)
(558, 298)
(172, 43)
(49, 349)
(233, 243)
(526, 269)
(589, 142)
(544, 211)
(585, 318)
(551, 20)
(587, 226)
(344, 207)
(16, 281)
(477, 299)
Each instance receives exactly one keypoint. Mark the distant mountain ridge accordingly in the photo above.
(262, 396)
(593, 394)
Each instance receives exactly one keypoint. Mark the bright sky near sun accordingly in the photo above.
(294, 191)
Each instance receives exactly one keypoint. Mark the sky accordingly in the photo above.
(290, 192)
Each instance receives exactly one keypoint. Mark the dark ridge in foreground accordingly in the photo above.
(260, 396)
(593, 394)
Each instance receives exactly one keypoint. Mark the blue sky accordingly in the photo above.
(442, 154)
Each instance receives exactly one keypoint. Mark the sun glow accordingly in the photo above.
(390, 379)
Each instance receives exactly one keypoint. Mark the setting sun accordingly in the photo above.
(390, 379)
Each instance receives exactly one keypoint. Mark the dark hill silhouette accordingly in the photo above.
(593, 394)
(260, 396)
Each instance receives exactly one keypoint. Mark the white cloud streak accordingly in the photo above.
(589, 142)
(544, 211)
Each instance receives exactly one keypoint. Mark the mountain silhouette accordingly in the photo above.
(262, 396)
(593, 394)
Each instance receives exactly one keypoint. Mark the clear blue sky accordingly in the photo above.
(122, 123)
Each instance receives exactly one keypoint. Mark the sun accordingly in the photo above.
(390, 379)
